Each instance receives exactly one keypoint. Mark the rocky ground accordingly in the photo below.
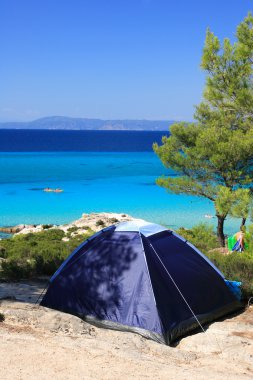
(39, 343)
(93, 221)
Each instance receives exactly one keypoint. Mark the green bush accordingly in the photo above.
(201, 235)
(17, 269)
(70, 231)
(47, 264)
(73, 229)
(2, 252)
(2, 317)
(113, 220)
(249, 238)
(100, 222)
(46, 226)
(35, 254)
(237, 267)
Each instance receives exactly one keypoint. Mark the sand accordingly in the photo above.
(39, 343)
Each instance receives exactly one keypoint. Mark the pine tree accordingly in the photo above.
(214, 156)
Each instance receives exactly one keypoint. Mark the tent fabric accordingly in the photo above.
(139, 225)
(235, 287)
(125, 280)
(81, 249)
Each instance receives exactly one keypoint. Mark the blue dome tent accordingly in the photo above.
(141, 277)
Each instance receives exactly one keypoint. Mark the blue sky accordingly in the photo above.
(112, 59)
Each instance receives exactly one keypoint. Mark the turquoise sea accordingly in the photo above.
(121, 182)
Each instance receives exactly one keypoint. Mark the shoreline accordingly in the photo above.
(92, 221)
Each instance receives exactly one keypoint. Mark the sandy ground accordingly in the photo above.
(39, 343)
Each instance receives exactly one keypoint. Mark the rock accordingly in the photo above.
(61, 346)
(93, 221)
(12, 229)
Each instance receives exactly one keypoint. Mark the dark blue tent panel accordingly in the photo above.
(184, 277)
(140, 277)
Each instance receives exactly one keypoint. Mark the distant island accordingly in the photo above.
(72, 123)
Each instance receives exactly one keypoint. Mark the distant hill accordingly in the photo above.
(71, 123)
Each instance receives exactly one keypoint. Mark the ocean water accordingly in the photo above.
(121, 180)
(15, 140)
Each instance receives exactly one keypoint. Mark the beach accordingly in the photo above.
(41, 343)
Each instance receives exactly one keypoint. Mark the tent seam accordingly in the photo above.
(177, 287)
(151, 286)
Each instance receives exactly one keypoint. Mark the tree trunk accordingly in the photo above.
(243, 223)
(220, 230)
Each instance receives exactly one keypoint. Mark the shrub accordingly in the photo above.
(237, 267)
(39, 253)
(73, 229)
(249, 238)
(113, 220)
(201, 235)
(100, 222)
(17, 269)
(46, 226)
(52, 234)
(2, 252)
(47, 264)
(2, 317)
(70, 231)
